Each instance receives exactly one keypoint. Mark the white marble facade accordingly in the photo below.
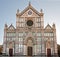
(30, 32)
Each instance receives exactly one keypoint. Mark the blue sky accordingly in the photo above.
(8, 8)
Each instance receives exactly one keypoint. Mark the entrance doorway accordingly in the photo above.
(48, 52)
(10, 51)
(29, 51)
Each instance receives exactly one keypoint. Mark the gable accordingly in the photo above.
(48, 27)
(28, 9)
(11, 27)
(30, 13)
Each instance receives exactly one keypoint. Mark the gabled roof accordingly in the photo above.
(11, 27)
(48, 27)
(27, 8)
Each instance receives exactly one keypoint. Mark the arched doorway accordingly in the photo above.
(48, 48)
(29, 51)
(48, 52)
(10, 51)
(29, 47)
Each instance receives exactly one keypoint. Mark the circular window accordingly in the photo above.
(29, 22)
(29, 12)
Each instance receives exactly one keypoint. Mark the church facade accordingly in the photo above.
(30, 37)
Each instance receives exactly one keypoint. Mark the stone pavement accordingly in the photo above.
(26, 56)
(19, 56)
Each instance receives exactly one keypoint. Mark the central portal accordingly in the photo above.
(11, 52)
(29, 51)
(49, 52)
(29, 46)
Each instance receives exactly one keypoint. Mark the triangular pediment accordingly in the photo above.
(11, 27)
(27, 9)
(48, 27)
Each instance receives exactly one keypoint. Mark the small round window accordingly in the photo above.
(29, 12)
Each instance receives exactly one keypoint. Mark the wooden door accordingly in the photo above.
(29, 51)
(48, 52)
(10, 52)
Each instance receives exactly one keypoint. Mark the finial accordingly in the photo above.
(53, 25)
(41, 10)
(6, 25)
(29, 3)
(17, 10)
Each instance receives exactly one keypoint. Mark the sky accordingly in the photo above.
(51, 10)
